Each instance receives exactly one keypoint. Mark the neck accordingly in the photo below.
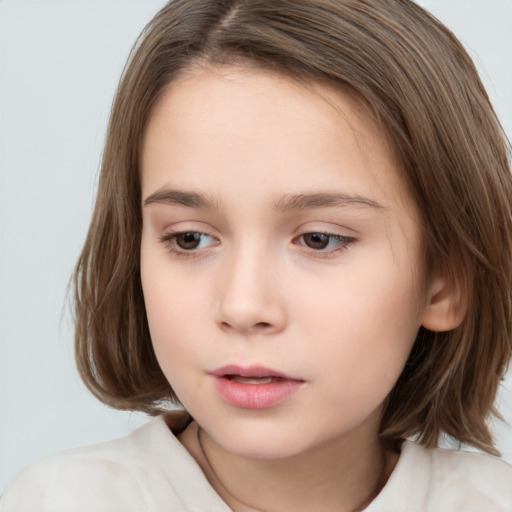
(341, 476)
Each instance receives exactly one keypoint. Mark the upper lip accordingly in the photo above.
(250, 371)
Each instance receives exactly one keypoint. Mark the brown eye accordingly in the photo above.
(188, 241)
(325, 242)
(316, 240)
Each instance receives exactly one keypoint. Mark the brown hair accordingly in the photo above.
(420, 84)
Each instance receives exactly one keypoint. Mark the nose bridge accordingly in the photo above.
(248, 289)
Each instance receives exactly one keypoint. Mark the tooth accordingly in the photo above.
(253, 380)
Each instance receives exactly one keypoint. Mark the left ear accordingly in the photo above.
(447, 304)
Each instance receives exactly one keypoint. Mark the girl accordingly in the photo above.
(302, 236)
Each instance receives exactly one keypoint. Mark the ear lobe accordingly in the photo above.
(446, 307)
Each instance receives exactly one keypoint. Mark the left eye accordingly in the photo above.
(323, 241)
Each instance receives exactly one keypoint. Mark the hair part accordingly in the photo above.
(419, 83)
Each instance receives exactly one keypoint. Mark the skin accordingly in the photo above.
(257, 291)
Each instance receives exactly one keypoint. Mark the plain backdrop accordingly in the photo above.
(60, 61)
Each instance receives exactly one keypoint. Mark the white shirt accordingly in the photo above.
(150, 471)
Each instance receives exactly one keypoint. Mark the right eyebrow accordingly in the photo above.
(181, 197)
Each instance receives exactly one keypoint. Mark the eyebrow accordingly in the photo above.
(287, 203)
(183, 198)
(324, 200)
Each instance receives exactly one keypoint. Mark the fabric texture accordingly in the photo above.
(151, 471)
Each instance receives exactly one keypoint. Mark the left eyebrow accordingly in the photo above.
(324, 200)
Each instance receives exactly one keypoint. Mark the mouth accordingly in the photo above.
(253, 380)
(254, 387)
(252, 374)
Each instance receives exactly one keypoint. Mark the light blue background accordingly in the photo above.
(59, 65)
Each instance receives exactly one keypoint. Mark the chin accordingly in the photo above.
(263, 439)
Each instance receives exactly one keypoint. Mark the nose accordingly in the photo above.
(249, 298)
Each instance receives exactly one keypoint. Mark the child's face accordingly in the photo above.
(277, 234)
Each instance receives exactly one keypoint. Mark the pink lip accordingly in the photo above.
(254, 396)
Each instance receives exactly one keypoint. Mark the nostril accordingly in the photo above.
(259, 325)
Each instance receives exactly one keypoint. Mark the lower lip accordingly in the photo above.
(256, 396)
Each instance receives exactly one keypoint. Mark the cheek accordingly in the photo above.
(165, 290)
(174, 333)
(171, 322)
(172, 325)
(365, 329)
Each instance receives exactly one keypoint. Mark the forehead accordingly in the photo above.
(217, 123)
(219, 100)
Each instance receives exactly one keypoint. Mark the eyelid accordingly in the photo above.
(169, 237)
(344, 243)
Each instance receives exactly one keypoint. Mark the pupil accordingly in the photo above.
(188, 240)
(316, 240)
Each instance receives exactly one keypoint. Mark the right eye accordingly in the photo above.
(188, 241)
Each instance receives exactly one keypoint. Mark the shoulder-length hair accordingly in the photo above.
(422, 87)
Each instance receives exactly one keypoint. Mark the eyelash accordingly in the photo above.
(344, 242)
(169, 241)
